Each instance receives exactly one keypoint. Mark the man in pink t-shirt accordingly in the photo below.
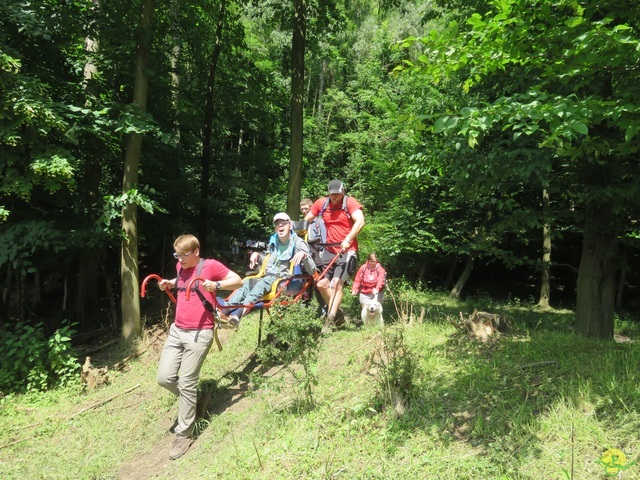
(191, 335)
(343, 224)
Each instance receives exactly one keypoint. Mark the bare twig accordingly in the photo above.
(99, 347)
(121, 364)
(364, 344)
(99, 404)
(257, 452)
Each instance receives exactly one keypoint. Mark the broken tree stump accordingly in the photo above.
(91, 376)
(483, 326)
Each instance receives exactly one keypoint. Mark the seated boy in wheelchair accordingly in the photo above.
(284, 250)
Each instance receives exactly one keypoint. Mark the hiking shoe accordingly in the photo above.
(179, 447)
(234, 321)
(231, 322)
(329, 323)
(203, 402)
(339, 318)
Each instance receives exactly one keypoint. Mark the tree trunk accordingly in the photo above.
(86, 291)
(422, 272)
(596, 276)
(320, 89)
(297, 107)
(130, 301)
(545, 279)
(175, 62)
(448, 281)
(86, 305)
(466, 273)
(91, 46)
(203, 226)
(624, 267)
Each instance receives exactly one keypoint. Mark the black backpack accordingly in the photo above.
(206, 303)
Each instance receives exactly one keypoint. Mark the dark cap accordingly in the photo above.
(336, 186)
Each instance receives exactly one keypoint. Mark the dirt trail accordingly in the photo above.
(153, 462)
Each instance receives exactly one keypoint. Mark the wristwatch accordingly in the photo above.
(218, 286)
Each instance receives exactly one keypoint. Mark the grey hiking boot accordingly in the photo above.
(179, 447)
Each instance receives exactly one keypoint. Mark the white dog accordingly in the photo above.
(372, 314)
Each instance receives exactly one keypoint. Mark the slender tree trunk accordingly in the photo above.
(595, 301)
(466, 273)
(624, 267)
(4, 316)
(175, 62)
(448, 281)
(208, 129)
(323, 70)
(130, 301)
(297, 107)
(86, 291)
(422, 272)
(545, 280)
(91, 47)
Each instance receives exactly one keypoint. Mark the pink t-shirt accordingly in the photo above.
(337, 222)
(191, 314)
(367, 279)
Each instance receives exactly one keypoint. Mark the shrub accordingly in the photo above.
(397, 369)
(292, 339)
(31, 361)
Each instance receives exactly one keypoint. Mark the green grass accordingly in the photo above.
(539, 403)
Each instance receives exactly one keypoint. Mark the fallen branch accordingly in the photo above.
(122, 363)
(91, 351)
(99, 404)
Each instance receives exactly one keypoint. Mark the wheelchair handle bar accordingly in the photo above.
(143, 289)
(188, 290)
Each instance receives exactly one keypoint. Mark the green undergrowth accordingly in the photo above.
(418, 399)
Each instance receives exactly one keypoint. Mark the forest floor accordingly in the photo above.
(417, 399)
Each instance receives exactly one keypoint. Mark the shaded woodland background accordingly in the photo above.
(468, 147)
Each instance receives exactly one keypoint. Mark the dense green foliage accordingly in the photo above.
(32, 362)
(447, 121)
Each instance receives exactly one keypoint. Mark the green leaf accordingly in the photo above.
(580, 128)
(441, 124)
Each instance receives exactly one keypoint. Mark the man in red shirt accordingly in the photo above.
(343, 222)
(191, 335)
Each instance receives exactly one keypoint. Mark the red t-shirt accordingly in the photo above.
(191, 314)
(337, 222)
